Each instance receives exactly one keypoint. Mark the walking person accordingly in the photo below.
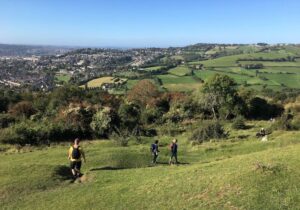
(173, 148)
(154, 151)
(75, 155)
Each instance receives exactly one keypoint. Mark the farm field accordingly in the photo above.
(187, 77)
(102, 80)
(233, 173)
(180, 71)
(229, 61)
(153, 68)
(179, 83)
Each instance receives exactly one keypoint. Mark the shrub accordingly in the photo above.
(121, 137)
(102, 122)
(260, 109)
(239, 123)
(209, 130)
(6, 120)
(171, 129)
(284, 122)
(25, 132)
(150, 116)
(23, 109)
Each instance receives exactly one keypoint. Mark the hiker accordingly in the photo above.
(262, 132)
(173, 148)
(154, 151)
(76, 153)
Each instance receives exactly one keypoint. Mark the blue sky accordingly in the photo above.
(145, 23)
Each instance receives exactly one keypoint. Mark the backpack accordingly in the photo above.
(152, 148)
(76, 153)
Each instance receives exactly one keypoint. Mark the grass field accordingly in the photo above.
(274, 75)
(179, 83)
(229, 61)
(180, 71)
(238, 173)
(153, 68)
(63, 77)
(100, 81)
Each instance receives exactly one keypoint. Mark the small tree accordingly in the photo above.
(207, 131)
(22, 109)
(219, 96)
(239, 123)
(143, 92)
(102, 122)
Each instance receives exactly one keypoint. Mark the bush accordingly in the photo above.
(260, 109)
(171, 129)
(36, 133)
(26, 132)
(102, 122)
(150, 116)
(6, 120)
(207, 131)
(296, 123)
(284, 122)
(239, 123)
(23, 108)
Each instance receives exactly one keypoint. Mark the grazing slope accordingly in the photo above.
(234, 174)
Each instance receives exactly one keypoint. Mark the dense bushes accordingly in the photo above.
(6, 120)
(207, 131)
(260, 109)
(70, 112)
(239, 123)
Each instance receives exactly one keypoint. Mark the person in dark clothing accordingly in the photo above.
(75, 155)
(173, 148)
(154, 151)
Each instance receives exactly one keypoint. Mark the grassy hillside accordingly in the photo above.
(180, 71)
(102, 80)
(239, 173)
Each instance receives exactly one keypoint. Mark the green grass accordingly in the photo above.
(236, 173)
(103, 80)
(273, 64)
(153, 68)
(229, 61)
(63, 77)
(289, 80)
(240, 75)
(179, 83)
(180, 71)
(291, 70)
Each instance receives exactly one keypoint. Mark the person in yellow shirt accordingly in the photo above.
(75, 155)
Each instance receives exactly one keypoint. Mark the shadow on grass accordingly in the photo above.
(110, 168)
(107, 168)
(63, 173)
(167, 163)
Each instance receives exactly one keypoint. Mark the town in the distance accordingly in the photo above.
(116, 70)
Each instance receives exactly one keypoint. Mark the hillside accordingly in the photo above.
(255, 67)
(232, 174)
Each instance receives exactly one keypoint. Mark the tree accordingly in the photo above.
(260, 109)
(219, 95)
(143, 92)
(23, 109)
(103, 122)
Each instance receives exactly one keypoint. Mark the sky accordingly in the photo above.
(148, 23)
